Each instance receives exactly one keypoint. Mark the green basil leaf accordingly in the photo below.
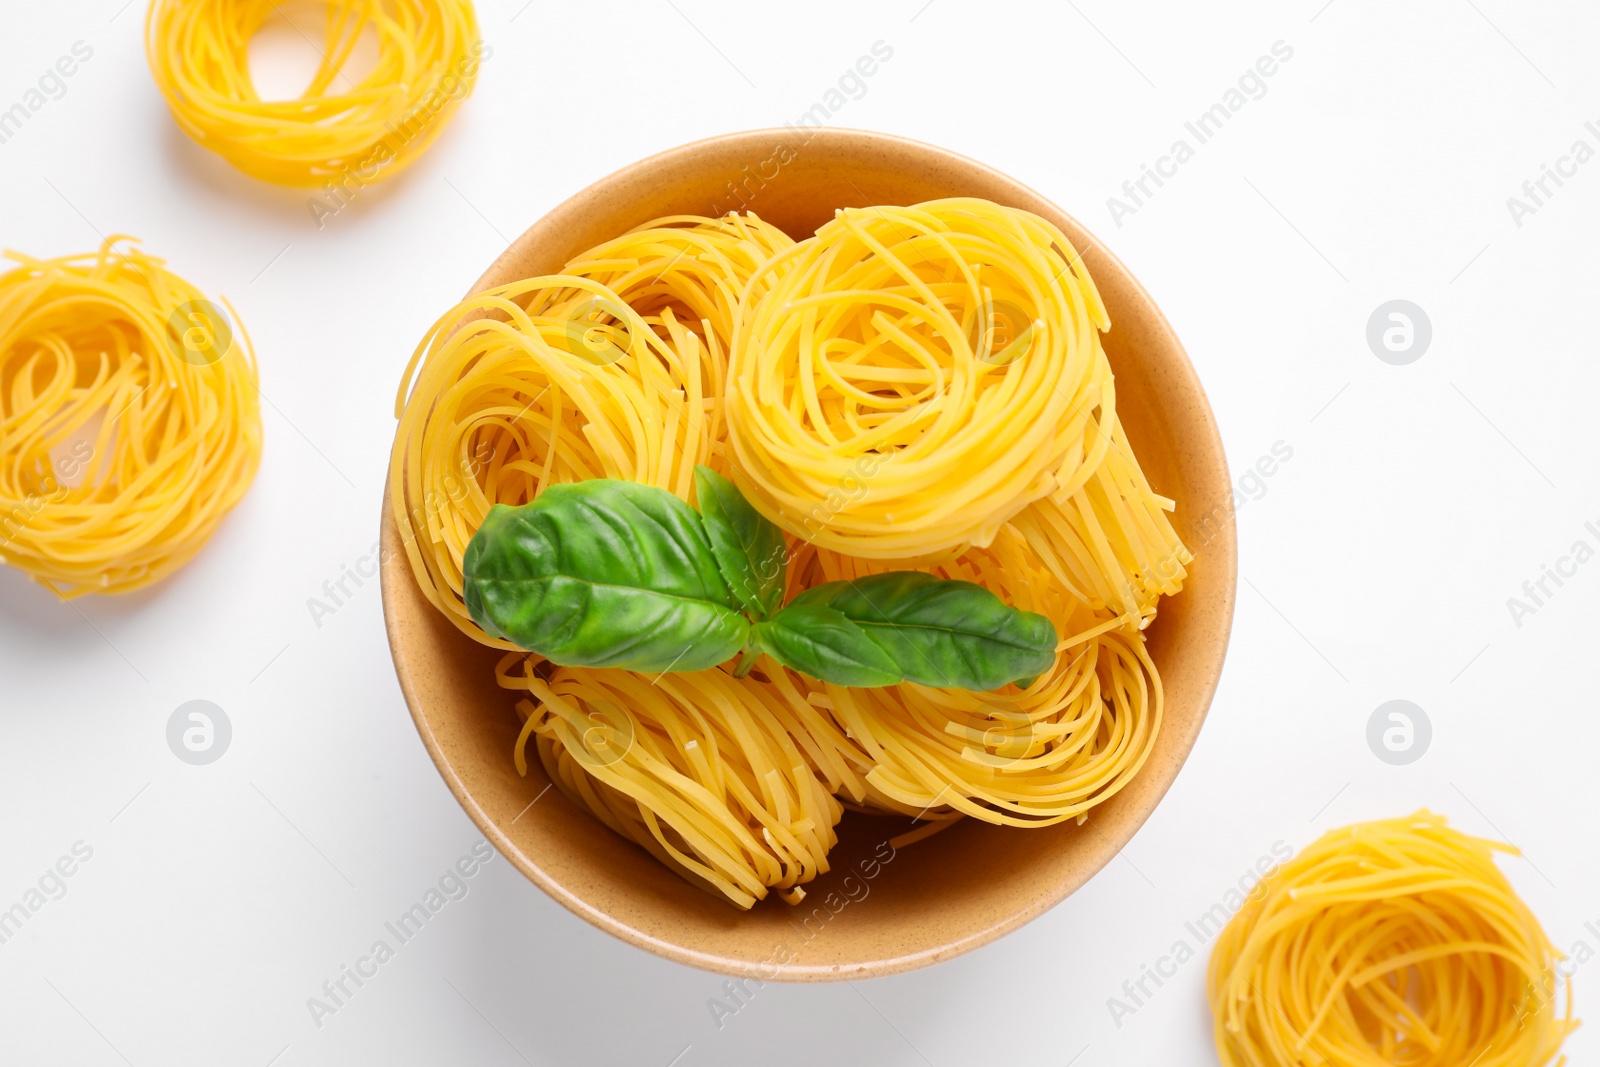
(748, 546)
(604, 573)
(949, 634)
(817, 640)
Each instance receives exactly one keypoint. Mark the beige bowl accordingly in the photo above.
(932, 900)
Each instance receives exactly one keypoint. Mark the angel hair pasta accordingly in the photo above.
(1389, 942)
(913, 389)
(129, 419)
(948, 354)
(1016, 757)
(613, 369)
(1109, 542)
(338, 131)
(721, 778)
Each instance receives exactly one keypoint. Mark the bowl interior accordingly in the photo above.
(878, 911)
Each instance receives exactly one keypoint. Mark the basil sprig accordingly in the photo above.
(607, 573)
(748, 548)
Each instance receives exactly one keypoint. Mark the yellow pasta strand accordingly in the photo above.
(613, 369)
(1016, 757)
(719, 777)
(1396, 943)
(1110, 542)
(337, 130)
(129, 419)
(944, 356)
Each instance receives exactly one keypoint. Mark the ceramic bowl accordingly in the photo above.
(963, 887)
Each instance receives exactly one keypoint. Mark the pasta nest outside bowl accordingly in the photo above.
(339, 128)
(922, 903)
(130, 419)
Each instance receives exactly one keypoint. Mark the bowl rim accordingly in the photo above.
(1222, 557)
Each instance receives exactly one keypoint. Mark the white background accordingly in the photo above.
(1375, 563)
